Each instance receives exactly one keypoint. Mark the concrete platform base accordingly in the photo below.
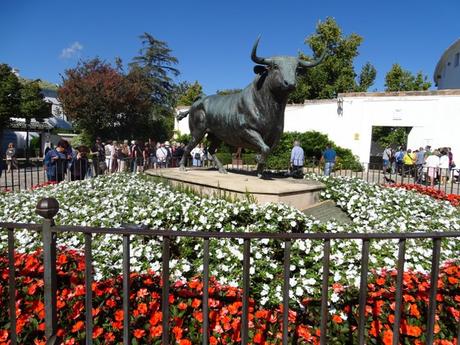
(300, 194)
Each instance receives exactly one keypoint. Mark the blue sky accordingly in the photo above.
(213, 39)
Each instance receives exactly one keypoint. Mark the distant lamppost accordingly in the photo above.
(28, 120)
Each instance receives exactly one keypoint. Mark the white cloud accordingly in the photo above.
(71, 51)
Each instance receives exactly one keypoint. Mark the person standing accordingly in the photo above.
(386, 159)
(419, 163)
(79, 166)
(399, 155)
(432, 165)
(108, 155)
(444, 171)
(162, 155)
(297, 160)
(329, 157)
(56, 162)
(98, 154)
(197, 156)
(409, 162)
(11, 157)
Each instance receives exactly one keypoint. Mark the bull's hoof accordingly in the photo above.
(182, 168)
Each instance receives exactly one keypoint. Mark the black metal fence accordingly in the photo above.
(25, 176)
(373, 172)
(48, 208)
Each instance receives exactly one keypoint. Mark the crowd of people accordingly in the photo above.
(112, 156)
(423, 164)
(328, 158)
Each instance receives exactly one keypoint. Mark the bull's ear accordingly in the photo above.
(258, 69)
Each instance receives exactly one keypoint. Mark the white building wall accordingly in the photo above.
(447, 71)
(434, 116)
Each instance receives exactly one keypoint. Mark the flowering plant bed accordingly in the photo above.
(454, 199)
(110, 201)
(225, 308)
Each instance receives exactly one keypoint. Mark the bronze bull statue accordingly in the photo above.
(252, 118)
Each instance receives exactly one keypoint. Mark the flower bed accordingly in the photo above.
(225, 308)
(110, 201)
(454, 199)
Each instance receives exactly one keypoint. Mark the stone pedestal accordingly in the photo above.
(300, 194)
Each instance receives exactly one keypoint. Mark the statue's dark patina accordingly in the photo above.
(252, 118)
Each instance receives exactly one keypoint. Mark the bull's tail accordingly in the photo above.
(182, 115)
(196, 101)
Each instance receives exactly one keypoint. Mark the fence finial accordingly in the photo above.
(47, 208)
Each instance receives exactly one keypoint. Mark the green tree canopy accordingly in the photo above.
(188, 93)
(157, 63)
(336, 74)
(399, 79)
(32, 104)
(10, 95)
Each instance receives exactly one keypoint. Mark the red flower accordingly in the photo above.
(97, 331)
(78, 326)
(177, 332)
(337, 319)
(156, 331)
(139, 333)
(119, 315)
(142, 308)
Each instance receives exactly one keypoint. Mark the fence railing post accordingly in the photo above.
(48, 208)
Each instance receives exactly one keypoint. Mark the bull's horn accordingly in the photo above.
(255, 58)
(313, 63)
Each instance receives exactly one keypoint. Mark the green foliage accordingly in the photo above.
(399, 79)
(336, 73)
(10, 95)
(157, 64)
(81, 139)
(188, 93)
(313, 144)
(32, 102)
(391, 136)
(182, 138)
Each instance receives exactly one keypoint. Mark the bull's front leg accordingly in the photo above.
(255, 139)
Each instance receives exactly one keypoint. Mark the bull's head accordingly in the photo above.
(283, 69)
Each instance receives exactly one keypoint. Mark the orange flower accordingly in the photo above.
(97, 331)
(380, 281)
(156, 331)
(337, 319)
(261, 314)
(258, 338)
(119, 315)
(196, 303)
(185, 342)
(139, 333)
(78, 326)
(142, 308)
(177, 332)
(388, 337)
(413, 331)
(414, 311)
(182, 306)
(109, 337)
